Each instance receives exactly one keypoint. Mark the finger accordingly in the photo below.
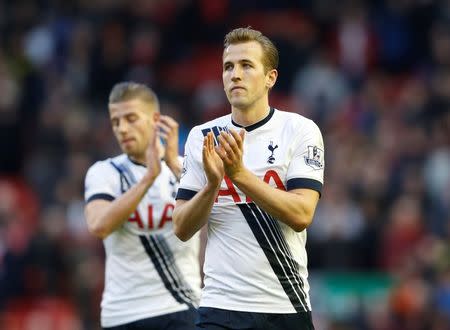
(205, 143)
(226, 146)
(169, 121)
(242, 135)
(210, 142)
(222, 153)
(230, 141)
(164, 127)
(237, 137)
(153, 137)
(163, 135)
(205, 148)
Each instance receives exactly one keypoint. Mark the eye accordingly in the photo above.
(115, 122)
(132, 118)
(227, 67)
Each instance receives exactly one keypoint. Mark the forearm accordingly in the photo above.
(294, 209)
(102, 221)
(189, 216)
(176, 168)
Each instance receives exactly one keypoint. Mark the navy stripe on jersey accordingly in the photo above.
(283, 248)
(164, 248)
(304, 183)
(128, 171)
(124, 181)
(277, 232)
(275, 248)
(185, 194)
(172, 282)
(105, 197)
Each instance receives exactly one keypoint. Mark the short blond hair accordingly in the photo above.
(126, 91)
(241, 35)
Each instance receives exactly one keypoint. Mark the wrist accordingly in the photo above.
(212, 187)
(172, 162)
(148, 180)
(238, 175)
(175, 167)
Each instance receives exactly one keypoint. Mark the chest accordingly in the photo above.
(268, 152)
(154, 211)
(266, 156)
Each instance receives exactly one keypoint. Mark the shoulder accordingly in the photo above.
(199, 131)
(295, 122)
(217, 122)
(106, 166)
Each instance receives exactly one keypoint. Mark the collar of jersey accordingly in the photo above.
(136, 163)
(258, 124)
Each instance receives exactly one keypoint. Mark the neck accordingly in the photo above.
(138, 160)
(141, 159)
(249, 116)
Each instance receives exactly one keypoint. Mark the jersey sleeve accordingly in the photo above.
(307, 166)
(102, 182)
(193, 177)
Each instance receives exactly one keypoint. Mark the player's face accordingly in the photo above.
(132, 122)
(244, 78)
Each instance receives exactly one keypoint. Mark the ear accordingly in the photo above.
(155, 116)
(271, 78)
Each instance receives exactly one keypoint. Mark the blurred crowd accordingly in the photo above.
(374, 75)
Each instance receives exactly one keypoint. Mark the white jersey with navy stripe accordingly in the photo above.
(149, 271)
(254, 262)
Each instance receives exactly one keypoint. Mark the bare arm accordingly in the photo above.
(189, 216)
(295, 208)
(103, 217)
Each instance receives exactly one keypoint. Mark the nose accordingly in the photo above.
(236, 73)
(122, 126)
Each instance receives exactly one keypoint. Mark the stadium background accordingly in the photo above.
(374, 75)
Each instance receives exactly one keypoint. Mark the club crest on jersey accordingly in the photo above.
(271, 148)
(314, 158)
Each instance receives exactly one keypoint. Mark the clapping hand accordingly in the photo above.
(152, 157)
(231, 150)
(212, 163)
(168, 132)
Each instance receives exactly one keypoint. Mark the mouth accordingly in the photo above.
(237, 88)
(126, 141)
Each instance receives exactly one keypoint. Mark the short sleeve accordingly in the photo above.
(193, 176)
(102, 182)
(307, 166)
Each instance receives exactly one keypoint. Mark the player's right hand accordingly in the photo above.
(212, 163)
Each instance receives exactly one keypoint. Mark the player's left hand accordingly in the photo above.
(168, 131)
(231, 150)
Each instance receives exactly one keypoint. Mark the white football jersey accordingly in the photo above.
(149, 271)
(254, 262)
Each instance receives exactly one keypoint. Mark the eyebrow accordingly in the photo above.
(126, 114)
(245, 60)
